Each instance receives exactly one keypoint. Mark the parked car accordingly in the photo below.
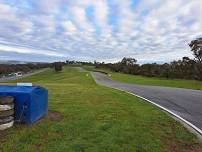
(11, 74)
(18, 74)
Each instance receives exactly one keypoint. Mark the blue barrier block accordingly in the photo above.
(31, 103)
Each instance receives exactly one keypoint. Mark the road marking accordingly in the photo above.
(161, 107)
(165, 109)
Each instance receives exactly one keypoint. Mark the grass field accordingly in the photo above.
(179, 83)
(136, 79)
(85, 117)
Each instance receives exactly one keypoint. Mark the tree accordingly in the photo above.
(196, 48)
(128, 61)
(58, 66)
(165, 70)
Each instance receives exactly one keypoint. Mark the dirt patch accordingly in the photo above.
(182, 146)
(55, 116)
(176, 145)
(3, 135)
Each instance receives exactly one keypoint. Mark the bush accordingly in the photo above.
(58, 66)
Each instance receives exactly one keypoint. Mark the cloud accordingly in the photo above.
(69, 27)
(150, 31)
(43, 25)
(79, 17)
(101, 14)
(27, 50)
(45, 6)
(11, 24)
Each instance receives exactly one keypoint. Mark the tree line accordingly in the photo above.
(185, 68)
(6, 69)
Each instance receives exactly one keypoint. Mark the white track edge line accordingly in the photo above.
(165, 109)
(161, 107)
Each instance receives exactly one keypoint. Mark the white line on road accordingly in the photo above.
(199, 131)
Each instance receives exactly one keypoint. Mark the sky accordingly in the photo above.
(102, 30)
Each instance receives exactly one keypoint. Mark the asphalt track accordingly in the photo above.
(185, 103)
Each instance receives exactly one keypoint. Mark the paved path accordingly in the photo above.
(186, 103)
(23, 76)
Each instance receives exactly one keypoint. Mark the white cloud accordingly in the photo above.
(79, 16)
(47, 6)
(5, 9)
(69, 27)
(150, 30)
(27, 50)
(10, 22)
(101, 14)
(46, 23)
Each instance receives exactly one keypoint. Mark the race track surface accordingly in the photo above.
(186, 103)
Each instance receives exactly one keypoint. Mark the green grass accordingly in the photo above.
(95, 119)
(179, 83)
(155, 81)
(89, 67)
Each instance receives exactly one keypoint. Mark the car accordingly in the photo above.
(11, 74)
(18, 74)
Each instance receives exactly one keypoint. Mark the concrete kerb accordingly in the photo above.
(192, 128)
